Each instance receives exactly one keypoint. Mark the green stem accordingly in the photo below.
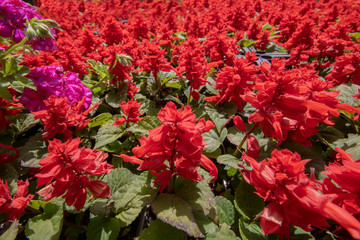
(13, 47)
(244, 139)
(188, 100)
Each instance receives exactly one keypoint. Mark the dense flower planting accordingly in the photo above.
(192, 119)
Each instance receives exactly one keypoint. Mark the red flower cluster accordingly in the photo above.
(179, 142)
(345, 172)
(6, 157)
(131, 110)
(60, 117)
(7, 109)
(292, 102)
(293, 198)
(193, 63)
(233, 81)
(63, 171)
(14, 205)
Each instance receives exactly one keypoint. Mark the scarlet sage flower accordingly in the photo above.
(14, 205)
(61, 118)
(293, 198)
(291, 102)
(64, 172)
(233, 81)
(193, 63)
(131, 110)
(175, 147)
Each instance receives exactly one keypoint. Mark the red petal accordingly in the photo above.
(132, 159)
(252, 146)
(210, 166)
(163, 179)
(239, 123)
(99, 189)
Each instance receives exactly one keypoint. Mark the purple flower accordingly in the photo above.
(5, 29)
(13, 15)
(51, 80)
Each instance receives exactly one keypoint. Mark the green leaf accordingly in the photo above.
(5, 94)
(120, 181)
(159, 230)
(21, 82)
(330, 133)
(115, 98)
(148, 106)
(25, 122)
(205, 224)
(129, 193)
(235, 136)
(178, 213)
(306, 153)
(103, 227)
(47, 225)
(246, 201)
(250, 230)
(107, 133)
(7, 136)
(224, 233)
(8, 173)
(99, 120)
(346, 92)
(220, 115)
(300, 234)
(198, 195)
(350, 145)
(145, 124)
(100, 207)
(127, 216)
(213, 140)
(229, 160)
(11, 232)
(172, 84)
(33, 150)
(226, 210)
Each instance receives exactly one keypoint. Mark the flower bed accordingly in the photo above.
(179, 119)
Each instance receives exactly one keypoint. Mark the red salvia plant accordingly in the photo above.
(232, 81)
(174, 148)
(291, 102)
(293, 198)
(131, 110)
(60, 117)
(191, 60)
(14, 205)
(65, 170)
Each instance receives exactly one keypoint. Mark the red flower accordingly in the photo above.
(131, 110)
(64, 171)
(193, 63)
(60, 117)
(292, 102)
(233, 81)
(179, 142)
(15, 205)
(7, 156)
(6, 109)
(294, 199)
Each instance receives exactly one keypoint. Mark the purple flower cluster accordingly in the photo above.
(51, 80)
(13, 15)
